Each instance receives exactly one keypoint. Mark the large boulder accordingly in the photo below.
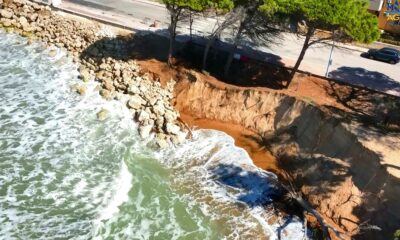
(85, 74)
(159, 108)
(143, 116)
(172, 129)
(133, 89)
(6, 14)
(136, 102)
(170, 116)
(108, 84)
(23, 21)
(161, 141)
(144, 131)
(33, 17)
(7, 23)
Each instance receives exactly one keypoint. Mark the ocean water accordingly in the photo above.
(66, 175)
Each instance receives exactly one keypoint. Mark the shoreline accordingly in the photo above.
(244, 138)
(106, 58)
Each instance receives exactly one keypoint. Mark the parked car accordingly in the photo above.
(389, 55)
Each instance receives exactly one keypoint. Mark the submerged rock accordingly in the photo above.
(81, 89)
(106, 94)
(53, 53)
(102, 115)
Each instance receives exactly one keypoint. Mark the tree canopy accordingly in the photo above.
(348, 18)
(176, 7)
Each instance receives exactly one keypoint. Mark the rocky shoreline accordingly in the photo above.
(101, 57)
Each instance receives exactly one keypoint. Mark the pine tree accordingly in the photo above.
(344, 18)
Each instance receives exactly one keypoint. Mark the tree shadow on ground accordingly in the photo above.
(365, 78)
(369, 108)
(251, 69)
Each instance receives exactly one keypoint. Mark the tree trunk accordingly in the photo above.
(172, 33)
(191, 24)
(229, 20)
(309, 34)
(171, 49)
(229, 62)
(235, 46)
(207, 50)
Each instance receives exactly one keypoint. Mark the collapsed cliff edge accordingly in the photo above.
(348, 172)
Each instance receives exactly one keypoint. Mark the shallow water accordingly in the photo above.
(66, 175)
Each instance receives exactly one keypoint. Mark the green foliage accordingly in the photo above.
(397, 235)
(195, 5)
(348, 16)
(225, 5)
(199, 5)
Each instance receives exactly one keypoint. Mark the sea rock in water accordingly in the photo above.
(85, 75)
(52, 52)
(102, 115)
(106, 94)
(172, 128)
(145, 131)
(81, 89)
(161, 141)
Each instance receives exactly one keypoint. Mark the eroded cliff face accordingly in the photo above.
(343, 169)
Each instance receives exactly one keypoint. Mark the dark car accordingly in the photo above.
(389, 55)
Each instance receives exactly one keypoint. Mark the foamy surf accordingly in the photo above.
(64, 174)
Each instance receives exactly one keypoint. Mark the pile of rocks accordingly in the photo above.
(120, 77)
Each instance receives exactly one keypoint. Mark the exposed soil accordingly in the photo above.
(347, 177)
(303, 126)
(259, 154)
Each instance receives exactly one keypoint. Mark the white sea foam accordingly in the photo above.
(53, 147)
(64, 174)
(124, 183)
(216, 167)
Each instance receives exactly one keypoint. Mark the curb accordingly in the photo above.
(150, 3)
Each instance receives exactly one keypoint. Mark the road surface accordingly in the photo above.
(347, 64)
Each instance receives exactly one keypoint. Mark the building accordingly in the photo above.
(388, 13)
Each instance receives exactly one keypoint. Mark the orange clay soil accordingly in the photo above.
(305, 87)
(309, 88)
(260, 156)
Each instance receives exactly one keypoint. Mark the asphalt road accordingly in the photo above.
(347, 64)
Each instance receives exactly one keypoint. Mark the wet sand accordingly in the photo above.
(244, 138)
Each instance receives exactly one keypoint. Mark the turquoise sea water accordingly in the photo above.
(66, 175)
